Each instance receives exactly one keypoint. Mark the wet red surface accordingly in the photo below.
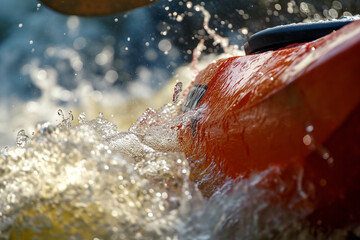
(297, 106)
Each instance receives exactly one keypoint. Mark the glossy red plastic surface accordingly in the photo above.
(298, 106)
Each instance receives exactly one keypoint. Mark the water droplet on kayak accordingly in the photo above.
(330, 160)
(323, 182)
(307, 140)
(325, 155)
(309, 128)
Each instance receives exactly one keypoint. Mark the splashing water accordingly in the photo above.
(229, 50)
(224, 42)
(91, 181)
(177, 90)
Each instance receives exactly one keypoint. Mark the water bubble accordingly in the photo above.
(73, 22)
(20, 25)
(164, 195)
(277, 6)
(179, 18)
(304, 7)
(79, 43)
(189, 4)
(290, 8)
(337, 5)
(347, 14)
(333, 13)
(244, 31)
(21, 138)
(81, 118)
(105, 56)
(165, 45)
(66, 122)
(111, 76)
(61, 113)
(151, 55)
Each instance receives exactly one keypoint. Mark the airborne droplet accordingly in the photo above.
(177, 90)
(21, 138)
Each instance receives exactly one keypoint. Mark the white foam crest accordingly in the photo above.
(106, 183)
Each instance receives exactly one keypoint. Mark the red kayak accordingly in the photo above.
(297, 108)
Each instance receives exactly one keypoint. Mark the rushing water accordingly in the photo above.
(91, 181)
(85, 179)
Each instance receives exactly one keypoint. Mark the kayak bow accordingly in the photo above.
(295, 107)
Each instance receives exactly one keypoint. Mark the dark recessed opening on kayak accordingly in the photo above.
(282, 36)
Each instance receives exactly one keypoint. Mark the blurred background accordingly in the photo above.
(119, 64)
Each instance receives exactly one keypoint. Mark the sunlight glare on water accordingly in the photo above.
(92, 181)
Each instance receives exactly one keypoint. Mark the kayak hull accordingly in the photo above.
(296, 106)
